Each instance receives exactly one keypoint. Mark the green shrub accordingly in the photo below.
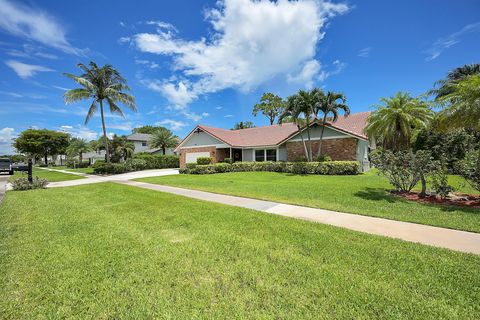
(204, 160)
(323, 158)
(154, 161)
(72, 163)
(469, 169)
(190, 165)
(109, 168)
(325, 168)
(135, 164)
(19, 184)
(228, 160)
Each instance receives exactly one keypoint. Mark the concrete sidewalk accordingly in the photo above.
(89, 179)
(434, 236)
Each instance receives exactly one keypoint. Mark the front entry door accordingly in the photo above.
(237, 155)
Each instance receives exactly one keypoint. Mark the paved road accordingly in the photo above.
(434, 236)
(3, 183)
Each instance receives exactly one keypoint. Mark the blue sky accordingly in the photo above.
(209, 62)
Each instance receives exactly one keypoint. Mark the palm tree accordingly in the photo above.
(125, 149)
(306, 102)
(461, 106)
(101, 84)
(78, 146)
(395, 120)
(163, 138)
(330, 105)
(457, 74)
(270, 106)
(292, 113)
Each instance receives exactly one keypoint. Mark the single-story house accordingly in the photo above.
(342, 140)
(140, 140)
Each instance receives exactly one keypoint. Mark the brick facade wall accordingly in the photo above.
(337, 149)
(218, 155)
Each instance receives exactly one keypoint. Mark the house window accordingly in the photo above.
(271, 154)
(144, 144)
(259, 155)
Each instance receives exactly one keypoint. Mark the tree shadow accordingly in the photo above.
(377, 194)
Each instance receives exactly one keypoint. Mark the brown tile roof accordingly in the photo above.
(276, 134)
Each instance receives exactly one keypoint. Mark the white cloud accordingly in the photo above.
(205, 114)
(149, 64)
(12, 94)
(218, 108)
(449, 41)
(307, 74)
(6, 136)
(228, 116)
(119, 126)
(46, 55)
(60, 88)
(252, 42)
(79, 131)
(34, 24)
(172, 124)
(24, 70)
(365, 52)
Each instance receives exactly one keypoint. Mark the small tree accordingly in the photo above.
(147, 129)
(270, 106)
(163, 138)
(42, 142)
(78, 147)
(404, 169)
(243, 125)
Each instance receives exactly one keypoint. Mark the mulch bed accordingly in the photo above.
(455, 199)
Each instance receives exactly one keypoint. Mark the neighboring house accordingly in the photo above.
(342, 140)
(140, 140)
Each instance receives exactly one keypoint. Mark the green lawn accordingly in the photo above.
(51, 176)
(124, 252)
(363, 194)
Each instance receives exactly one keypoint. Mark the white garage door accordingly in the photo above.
(191, 157)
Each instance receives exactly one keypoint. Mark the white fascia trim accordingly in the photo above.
(333, 128)
(190, 134)
(326, 138)
(206, 145)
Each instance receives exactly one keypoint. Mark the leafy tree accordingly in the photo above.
(101, 84)
(120, 148)
(78, 147)
(461, 106)
(243, 125)
(42, 143)
(163, 138)
(270, 106)
(444, 86)
(147, 129)
(395, 120)
(330, 105)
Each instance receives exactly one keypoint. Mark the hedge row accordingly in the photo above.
(137, 163)
(323, 168)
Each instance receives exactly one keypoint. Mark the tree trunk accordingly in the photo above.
(310, 156)
(46, 159)
(80, 155)
(423, 193)
(319, 153)
(303, 142)
(104, 132)
(163, 150)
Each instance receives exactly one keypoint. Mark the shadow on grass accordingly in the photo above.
(377, 194)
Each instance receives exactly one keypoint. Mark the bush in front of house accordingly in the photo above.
(154, 161)
(20, 184)
(101, 167)
(469, 169)
(135, 164)
(323, 168)
(204, 160)
(72, 163)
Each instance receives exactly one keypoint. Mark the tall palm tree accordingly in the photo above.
(78, 147)
(292, 112)
(101, 84)
(461, 106)
(396, 118)
(444, 86)
(330, 105)
(125, 149)
(163, 139)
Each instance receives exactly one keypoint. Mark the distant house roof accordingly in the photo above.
(277, 134)
(139, 137)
